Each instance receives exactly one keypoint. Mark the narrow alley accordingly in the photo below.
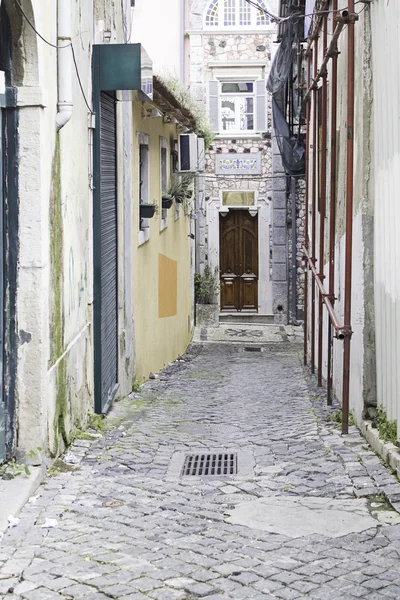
(306, 515)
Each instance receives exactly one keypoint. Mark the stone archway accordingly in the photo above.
(23, 44)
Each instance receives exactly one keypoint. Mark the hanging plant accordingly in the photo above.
(147, 211)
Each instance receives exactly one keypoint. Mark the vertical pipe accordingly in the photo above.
(64, 63)
(306, 211)
(349, 219)
(332, 211)
(322, 195)
(294, 251)
(314, 205)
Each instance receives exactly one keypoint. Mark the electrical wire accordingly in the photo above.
(70, 45)
(79, 80)
(36, 31)
(299, 15)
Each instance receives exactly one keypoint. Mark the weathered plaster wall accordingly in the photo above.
(54, 307)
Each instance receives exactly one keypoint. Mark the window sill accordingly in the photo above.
(240, 136)
(144, 236)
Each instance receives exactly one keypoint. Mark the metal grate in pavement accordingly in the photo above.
(252, 349)
(211, 465)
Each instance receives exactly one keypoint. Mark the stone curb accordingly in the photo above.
(15, 493)
(389, 453)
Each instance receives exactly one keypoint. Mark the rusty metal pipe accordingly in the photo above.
(329, 53)
(315, 25)
(322, 203)
(349, 218)
(314, 205)
(332, 216)
(341, 330)
(306, 212)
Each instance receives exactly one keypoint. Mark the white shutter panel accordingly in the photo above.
(213, 104)
(261, 109)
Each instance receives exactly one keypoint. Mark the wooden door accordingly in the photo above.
(239, 261)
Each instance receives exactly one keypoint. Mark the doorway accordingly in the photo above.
(239, 261)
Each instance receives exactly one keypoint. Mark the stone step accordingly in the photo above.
(246, 318)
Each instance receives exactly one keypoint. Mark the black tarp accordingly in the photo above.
(279, 84)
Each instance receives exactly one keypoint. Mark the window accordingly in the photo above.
(164, 179)
(235, 14)
(238, 199)
(144, 185)
(237, 106)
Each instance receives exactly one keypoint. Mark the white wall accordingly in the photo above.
(385, 26)
(158, 25)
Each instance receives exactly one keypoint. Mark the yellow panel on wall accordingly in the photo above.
(167, 286)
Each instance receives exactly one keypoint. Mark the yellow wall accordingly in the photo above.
(162, 270)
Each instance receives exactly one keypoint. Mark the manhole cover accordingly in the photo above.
(222, 463)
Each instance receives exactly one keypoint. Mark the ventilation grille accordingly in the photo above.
(210, 464)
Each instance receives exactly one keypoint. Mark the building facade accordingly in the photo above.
(242, 213)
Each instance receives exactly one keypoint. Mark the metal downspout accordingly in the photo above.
(64, 63)
(332, 216)
(305, 349)
(322, 204)
(349, 219)
(294, 251)
(314, 206)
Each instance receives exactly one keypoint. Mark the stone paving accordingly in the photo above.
(128, 526)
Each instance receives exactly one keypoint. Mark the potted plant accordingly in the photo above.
(147, 211)
(181, 187)
(167, 200)
(206, 288)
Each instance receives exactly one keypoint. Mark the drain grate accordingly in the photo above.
(252, 349)
(222, 463)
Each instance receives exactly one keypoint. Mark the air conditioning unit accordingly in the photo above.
(187, 149)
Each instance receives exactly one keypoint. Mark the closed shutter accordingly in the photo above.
(2, 399)
(213, 104)
(108, 252)
(261, 118)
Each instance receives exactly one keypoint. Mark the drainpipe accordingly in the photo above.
(294, 251)
(322, 195)
(64, 63)
(314, 206)
(306, 211)
(332, 217)
(349, 219)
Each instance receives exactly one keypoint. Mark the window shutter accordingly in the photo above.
(261, 105)
(213, 104)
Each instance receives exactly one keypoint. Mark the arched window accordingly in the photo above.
(235, 14)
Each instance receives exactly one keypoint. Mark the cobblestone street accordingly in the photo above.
(306, 516)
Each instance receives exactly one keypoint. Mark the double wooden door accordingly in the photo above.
(239, 261)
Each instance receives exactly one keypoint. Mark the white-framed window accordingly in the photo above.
(143, 184)
(235, 14)
(163, 180)
(237, 106)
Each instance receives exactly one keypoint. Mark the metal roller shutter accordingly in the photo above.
(108, 251)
